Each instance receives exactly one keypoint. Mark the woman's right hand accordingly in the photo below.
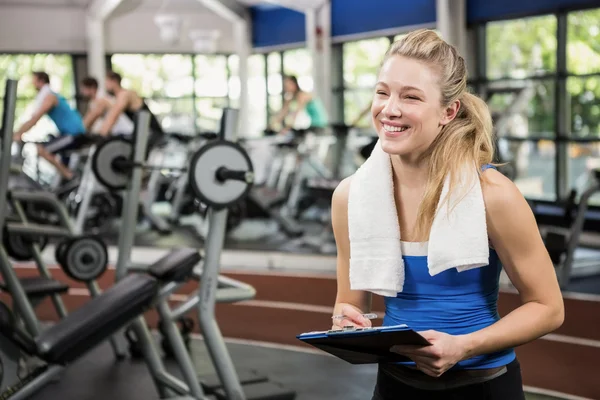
(352, 316)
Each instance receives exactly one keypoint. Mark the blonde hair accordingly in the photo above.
(467, 139)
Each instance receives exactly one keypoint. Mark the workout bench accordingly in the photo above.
(88, 326)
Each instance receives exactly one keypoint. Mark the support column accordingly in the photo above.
(451, 18)
(95, 49)
(318, 43)
(242, 36)
(239, 18)
(311, 26)
(326, 60)
(97, 13)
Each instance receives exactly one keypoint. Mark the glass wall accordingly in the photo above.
(298, 63)
(20, 66)
(166, 81)
(274, 84)
(362, 60)
(583, 97)
(521, 73)
(535, 71)
(211, 90)
(525, 75)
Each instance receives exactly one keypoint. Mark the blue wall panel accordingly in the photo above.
(272, 26)
(276, 25)
(358, 16)
(486, 10)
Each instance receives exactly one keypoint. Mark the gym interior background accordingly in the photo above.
(536, 63)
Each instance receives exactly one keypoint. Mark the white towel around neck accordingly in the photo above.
(457, 240)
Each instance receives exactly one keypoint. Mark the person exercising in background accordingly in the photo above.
(67, 120)
(129, 103)
(304, 101)
(98, 107)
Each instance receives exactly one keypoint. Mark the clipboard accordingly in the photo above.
(365, 345)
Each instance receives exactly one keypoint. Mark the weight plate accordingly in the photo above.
(18, 247)
(204, 165)
(85, 258)
(61, 250)
(103, 158)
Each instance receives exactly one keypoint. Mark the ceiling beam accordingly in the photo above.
(230, 10)
(300, 6)
(102, 9)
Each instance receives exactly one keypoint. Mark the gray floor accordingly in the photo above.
(98, 377)
(315, 377)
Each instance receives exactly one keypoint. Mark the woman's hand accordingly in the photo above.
(352, 316)
(445, 351)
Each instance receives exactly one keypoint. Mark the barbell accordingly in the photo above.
(220, 173)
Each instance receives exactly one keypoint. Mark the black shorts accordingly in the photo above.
(506, 386)
(63, 143)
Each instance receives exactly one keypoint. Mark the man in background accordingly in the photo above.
(98, 107)
(71, 131)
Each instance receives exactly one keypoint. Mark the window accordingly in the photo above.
(298, 62)
(209, 111)
(274, 83)
(522, 108)
(521, 48)
(583, 34)
(175, 115)
(155, 76)
(362, 60)
(211, 76)
(534, 164)
(20, 66)
(233, 83)
(583, 98)
(521, 66)
(257, 86)
(357, 105)
(211, 90)
(584, 102)
(165, 81)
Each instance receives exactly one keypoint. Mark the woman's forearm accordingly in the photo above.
(526, 323)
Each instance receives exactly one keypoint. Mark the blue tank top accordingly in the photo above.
(67, 120)
(453, 302)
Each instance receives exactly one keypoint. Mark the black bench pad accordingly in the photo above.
(38, 286)
(98, 319)
(175, 266)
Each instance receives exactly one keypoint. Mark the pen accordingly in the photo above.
(367, 316)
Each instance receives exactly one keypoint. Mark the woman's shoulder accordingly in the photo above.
(500, 194)
(304, 96)
(342, 192)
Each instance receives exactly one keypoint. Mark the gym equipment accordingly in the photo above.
(85, 328)
(27, 293)
(228, 184)
(112, 166)
(264, 201)
(183, 201)
(561, 245)
(94, 203)
(212, 288)
(320, 191)
(83, 258)
(20, 247)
